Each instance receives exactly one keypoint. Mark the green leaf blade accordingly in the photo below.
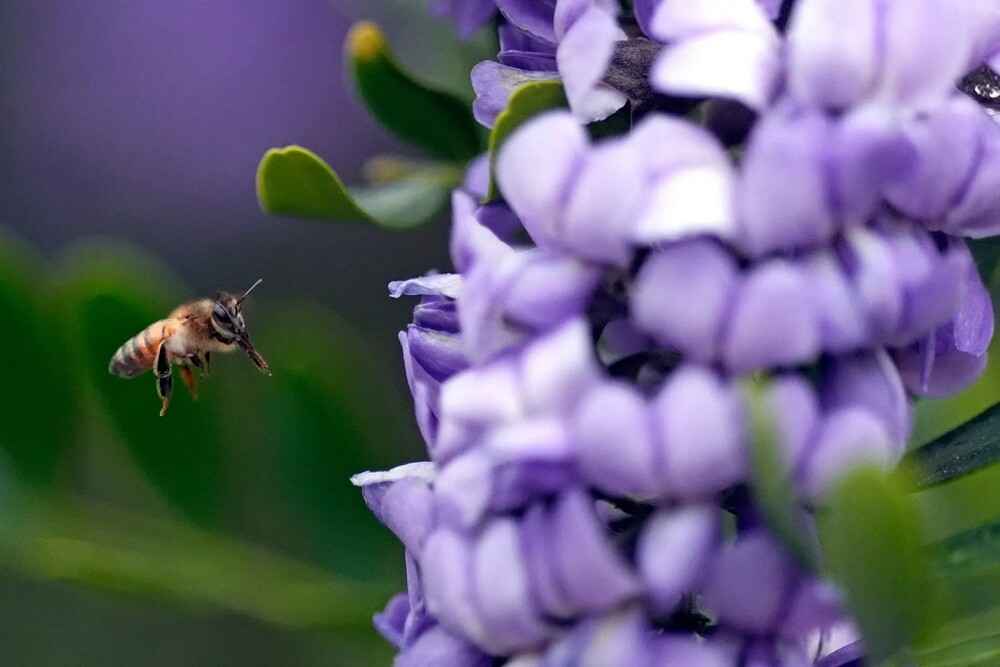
(774, 488)
(961, 451)
(295, 181)
(430, 119)
(871, 536)
(40, 408)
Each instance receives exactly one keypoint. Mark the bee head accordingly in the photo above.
(226, 316)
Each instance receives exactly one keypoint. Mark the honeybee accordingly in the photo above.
(187, 337)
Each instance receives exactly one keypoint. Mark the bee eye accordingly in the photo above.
(222, 316)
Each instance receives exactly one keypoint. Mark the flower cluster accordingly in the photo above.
(786, 211)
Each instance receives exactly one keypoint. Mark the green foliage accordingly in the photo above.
(331, 419)
(872, 539)
(433, 120)
(136, 555)
(108, 295)
(987, 255)
(325, 414)
(961, 504)
(39, 404)
(295, 181)
(527, 101)
(774, 487)
(963, 450)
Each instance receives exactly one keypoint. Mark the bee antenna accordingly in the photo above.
(259, 281)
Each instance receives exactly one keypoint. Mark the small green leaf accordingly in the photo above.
(871, 536)
(527, 101)
(960, 504)
(430, 119)
(110, 293)
(295, 181)
(774, 488)
(39, 404)
(963, 450)
(408, 202)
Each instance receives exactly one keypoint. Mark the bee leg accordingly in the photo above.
(208, 363)
(196, 361)
(164, 380)
(188, 378)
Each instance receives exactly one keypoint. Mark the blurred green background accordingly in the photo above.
(227, 532)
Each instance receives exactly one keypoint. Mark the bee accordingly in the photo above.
(187, 337)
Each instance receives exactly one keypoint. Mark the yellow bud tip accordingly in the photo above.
(365, 41)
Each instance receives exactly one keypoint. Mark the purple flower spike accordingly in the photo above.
(494, 83)
(589, 569)
(532, 16)
(794, 407)
(518, 293)
(947, 142)
(696, 406)
(439, 648)
(848, 437)
(728, 50)
(903, 52)
(691, 182)
(783, 191)
(469, 15)
(674, 550)
(617, 413)
(772, 322)
(557, 141)
(503, 590)
(869, 380)
(587, 32)
(953, 357)
(682, 297)
(748, 584)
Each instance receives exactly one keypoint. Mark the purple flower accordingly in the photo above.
(569, 40)
(469, 15)
(728, 50)
(583, 379)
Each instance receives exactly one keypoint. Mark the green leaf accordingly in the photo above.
(109, 293)
(963, 450)
(966, 642)
(408, 202)
(961, 504)
(334, 413)
(968, 565)
(871, 536)
(967, 570)
(152, 557)
(430, 119)
(295, 181)
(39, 405)
(986, 252)
(774, 488)
(527, 101)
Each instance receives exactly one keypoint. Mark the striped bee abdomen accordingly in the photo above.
(137, 354)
